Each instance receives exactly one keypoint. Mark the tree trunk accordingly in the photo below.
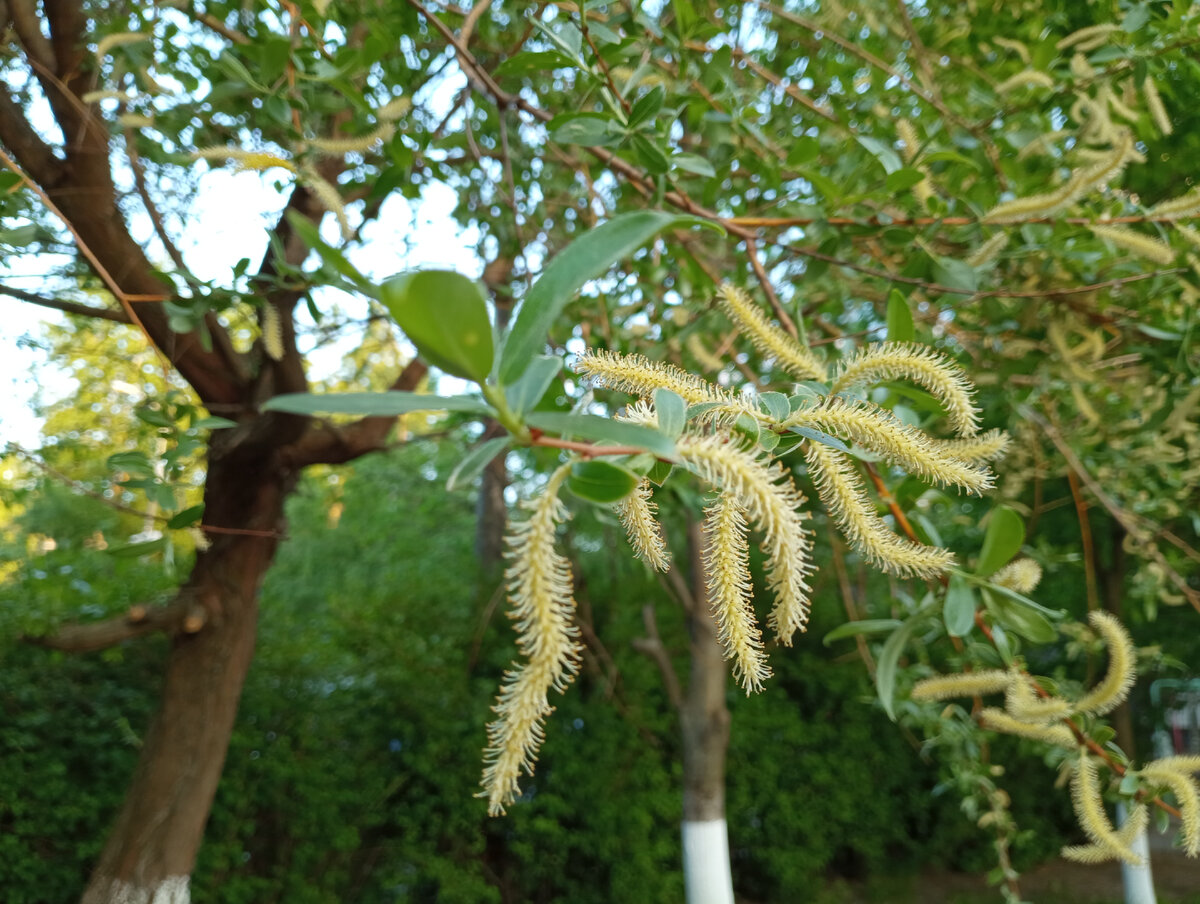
(704, 718)
(152, 848)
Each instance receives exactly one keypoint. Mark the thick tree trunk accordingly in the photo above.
(152, 848)
(705, 720)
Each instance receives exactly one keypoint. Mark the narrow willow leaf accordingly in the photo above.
(524, 394)
(601, 482)
(888, 662)
(605, 430)
(372, 404)
(586, 258)
(866, 626)
(672, 412)
(1005, 534)
(475, 461)
(899, 318)
(959, 611)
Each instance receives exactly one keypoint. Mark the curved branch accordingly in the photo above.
(182, 614)
(69, 307)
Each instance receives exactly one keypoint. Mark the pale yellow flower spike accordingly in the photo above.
(900, 444)
(730, 593)
(272, 332)
(1188, 798)
(540, 593)
(246, 160)
(976, 449)
(1135, 824)
(1187, 205)
(843, 493)
(1150, 248)
(1024, 704)
(769, 339)
(645, 534)
(967, 684)
(1178, 763)
(1114, 688)
(769, 497)
(999, 720)
(1089, 807)
(638, 376)
(918, 364)
(1021, 575)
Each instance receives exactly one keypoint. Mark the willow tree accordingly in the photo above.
(877, 172)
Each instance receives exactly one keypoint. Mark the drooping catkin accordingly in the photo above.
(1089, 807)
(1135, 824)
(1118, 679)
(272, 332)
(988, 251)
(638, 376)
(542, 601)
(1150, 248)
(730, 592)
(904, 446)
(999, 720)
(636, 512)
(772, 501)
(1154, 103)
(770, 340)
(918, 364)
(843, 493)
(967, 684)
(1021, 575)
(1183, 786)
(975, 449)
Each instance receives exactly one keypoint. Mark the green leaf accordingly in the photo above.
(189, 517)
(866, 626)
(533, 61)
(475, 461)
(587, 129)
(776, 405)
(647, 106)
(141, 548)
(445, 316)
(650, 154)
(768, 440)
(605, 430)
(586, 258)
(658, 474)
(372, 404)
(1028, 623)
(693, 163)
(887, 157)
(959, 611)
(1005, 534)
(903, 179)
(955, 274)
(899, 318)
(600, 481)
(136, 463)
(672, 412)
(524, 394)
(888, 662)
(824, 438)
(213, 423)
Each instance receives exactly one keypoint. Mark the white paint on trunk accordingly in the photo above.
(706, 875)
(171, 890)
(1139, 884)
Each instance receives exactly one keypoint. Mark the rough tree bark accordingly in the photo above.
(251, 468)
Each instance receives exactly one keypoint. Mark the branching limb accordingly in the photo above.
(69, 307)
(183, 614)
(651, 645)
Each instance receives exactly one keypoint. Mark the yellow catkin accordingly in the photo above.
(769, 339)
(1178, 763)
(982, 447)
(357, 144)
(1150, 248)
(1135, 823)
(988, 251)
(1022, 703)
(1089, 807)
(645, 534)
(251, 160)
(1183, 207)
(1016, 47)
(106, 44)
(1190, 235)
(394, 109)
(766, 492)
(918, 364)
(730, 593)
(1187, 796)
(1114, 688)
(1042, 143)
(843, 494)
(999, 720)
(967, 684)
(330, 198)
(910, 142)
(541, 597)
(1026, 78)
(272, 332)
(1080, 183)
(901, 445)
(1021, 575)
(636, 375)
(1087, 35)
(1154, 103)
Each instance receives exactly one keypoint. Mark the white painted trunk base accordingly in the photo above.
(706, 875)
(171, 890)
(1139, 884)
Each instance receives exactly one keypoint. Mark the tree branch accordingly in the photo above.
(651, 645)
(69, 307)
(182, 614)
